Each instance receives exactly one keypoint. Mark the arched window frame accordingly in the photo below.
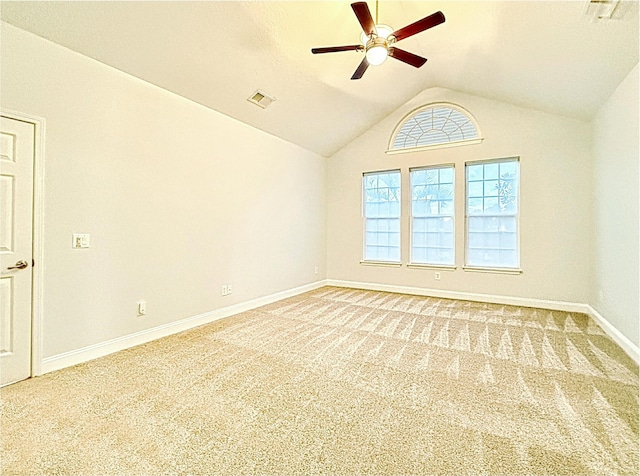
(413, 113)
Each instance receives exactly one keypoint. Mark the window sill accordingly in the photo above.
(445, 267)
(388, 264)
(478, 269)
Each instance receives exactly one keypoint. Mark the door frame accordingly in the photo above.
(37, 271)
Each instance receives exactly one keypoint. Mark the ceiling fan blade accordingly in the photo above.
(361, 9)
(406, 57)
(334, 49)
(364, 64)
(421, 25)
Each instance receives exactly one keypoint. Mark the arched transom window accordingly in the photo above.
(433, 126)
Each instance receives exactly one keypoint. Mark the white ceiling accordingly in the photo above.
(544, 55)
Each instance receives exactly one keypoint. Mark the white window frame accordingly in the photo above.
(484, 268)
(413, 113)
(412, 263)
(364, 221)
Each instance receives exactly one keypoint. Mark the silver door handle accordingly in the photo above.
(19, 265)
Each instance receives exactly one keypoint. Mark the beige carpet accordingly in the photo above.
(340, 381)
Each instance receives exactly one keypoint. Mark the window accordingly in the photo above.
(432, 237)
(381, 209)
(492, 213)
(434, 125)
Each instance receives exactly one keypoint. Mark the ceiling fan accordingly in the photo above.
(378, 40)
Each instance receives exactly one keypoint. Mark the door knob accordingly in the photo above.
(19, 265)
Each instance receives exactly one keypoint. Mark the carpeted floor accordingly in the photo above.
(340, 381)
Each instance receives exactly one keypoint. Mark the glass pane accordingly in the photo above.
(491, 224)
(475, 172)
(476, 240)
(419, 255)
(446, 175)
(475, 224)
(491, 205)
(475, 257)
(508, 241)
(491, 171)
(418, 177)
(446, 240)
(475, 189)
(419, 208)
(508, 168)
(446, 191)
(508, 224)
(475, 205)
(491, 188)
(446, 207)
(508, 259)
(431, 176)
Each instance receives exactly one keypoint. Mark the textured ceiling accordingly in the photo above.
(544, 55)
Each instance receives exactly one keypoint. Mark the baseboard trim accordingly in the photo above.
(464, 296)
(629, 347)
(78, 356)
(618, 337)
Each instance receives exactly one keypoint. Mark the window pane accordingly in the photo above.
(475, 189)
(492, 214)
(446, 175)
(491, 188)
(491, 171)
(381, 210)
(474, 205)
(475, 172)
(432, 210)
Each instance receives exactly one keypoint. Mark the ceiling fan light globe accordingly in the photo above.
(376, 55)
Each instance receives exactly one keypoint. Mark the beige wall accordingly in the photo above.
(556, 202)
(616, 182)
(178, 199)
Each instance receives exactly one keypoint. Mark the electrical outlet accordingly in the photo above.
(142, 308)
(436, 275)
(229, 289)
(224, 291)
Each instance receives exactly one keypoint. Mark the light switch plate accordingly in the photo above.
(81, 240)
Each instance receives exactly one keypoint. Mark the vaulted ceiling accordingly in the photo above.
(547, 55)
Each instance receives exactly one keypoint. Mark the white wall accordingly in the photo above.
(178, 199)
(556, 202)
(616, 244)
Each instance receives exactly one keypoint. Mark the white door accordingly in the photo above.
(16, 248)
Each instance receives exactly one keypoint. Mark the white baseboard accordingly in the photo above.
(464, 296)
(74, 357)
(629, 347)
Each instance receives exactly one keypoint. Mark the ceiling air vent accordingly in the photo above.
(598, 10)
(260, 98)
